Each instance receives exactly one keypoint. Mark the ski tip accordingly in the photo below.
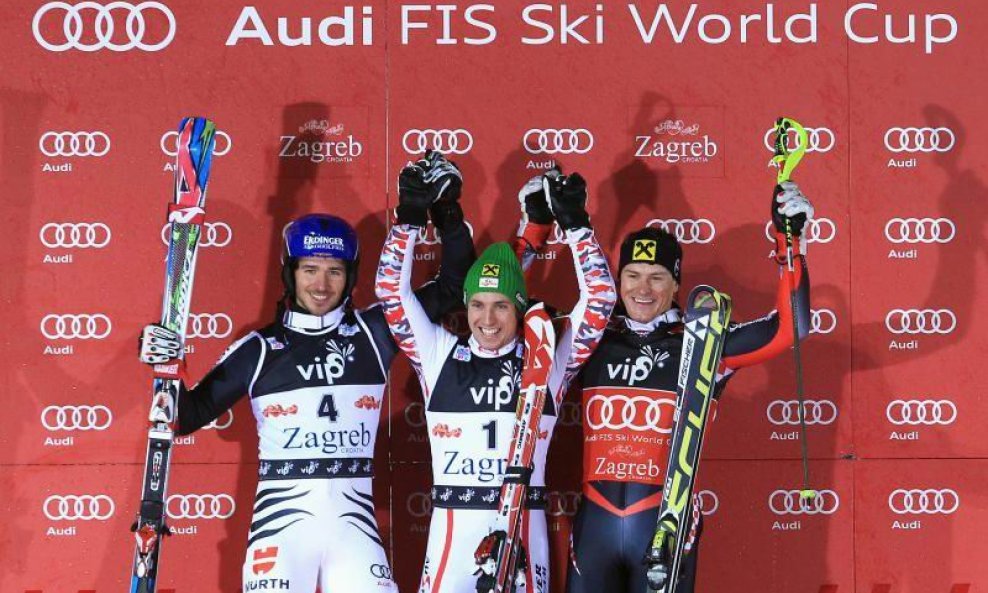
(807, 494)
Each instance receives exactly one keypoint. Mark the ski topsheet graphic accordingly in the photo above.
(707, 314)
(185, 216)
(500, 556)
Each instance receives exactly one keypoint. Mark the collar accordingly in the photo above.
(306, 323)
(482, 352)
(669, 317)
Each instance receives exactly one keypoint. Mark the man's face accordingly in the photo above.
(319, 284)
(493, 319)
(647, 291)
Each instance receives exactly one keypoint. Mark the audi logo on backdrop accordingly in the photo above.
(562, 504)
(637, 413)
(921, 411)
(430, 235)
(84, 326)
(200, 506)
(822, 321)
(786, 412)
(214, 234)
(687, 230)
(818, 230)
(80, 235)
(561, 141)
(921, 321)
(557, 237)
(817, 139)
(920, 230)
(419, 504)
(788, 502)
(924, 502)
(74, 144)
(169, 143)
(78, 507)
(415, 415)
(458, 141)
(209, 325)
(83, 417)
(221, 423)
(919, 139)
(708, 502)
(102, 20)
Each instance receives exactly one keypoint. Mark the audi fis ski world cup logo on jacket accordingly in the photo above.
(628, 407)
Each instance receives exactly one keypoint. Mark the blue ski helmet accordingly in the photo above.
(320, 235)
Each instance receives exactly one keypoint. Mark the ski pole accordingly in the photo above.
(787, 160)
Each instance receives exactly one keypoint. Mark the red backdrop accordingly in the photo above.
(664, 131)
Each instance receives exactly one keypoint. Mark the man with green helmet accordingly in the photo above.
(470, 384)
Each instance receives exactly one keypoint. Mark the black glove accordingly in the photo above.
(789, 202)
(443, 176)
(414, 197)
(568, 200)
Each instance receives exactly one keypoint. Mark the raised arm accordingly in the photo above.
(586, 323)
(757, 341)
(423, 341)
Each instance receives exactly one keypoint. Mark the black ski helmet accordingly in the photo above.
(320, 235)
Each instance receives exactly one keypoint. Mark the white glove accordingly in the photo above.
(158, 344)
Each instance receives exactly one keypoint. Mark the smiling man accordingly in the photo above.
(629, 397)
(316, 379)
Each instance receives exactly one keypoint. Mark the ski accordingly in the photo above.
(500, 556)
(185, 215)
(707, 314)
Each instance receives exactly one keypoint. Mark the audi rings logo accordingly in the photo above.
(415, 415)
(380, 571)
(200, 506)
(920, 230)
(430, 236)
(562, 504)
(458, 141)
(789, 502)
(818, 230)
(924, 502)
(569, 414)
(687, 230)
(169, 143)
(822, 321)
(214, 234)
(84, 417)
(637, 413)
(919, 139)
(921, 411)
(107, 17)
(786, 412)
(563, 141)
(920, 321)
(419, 504)
(818, 139)
(221, 423)
(209, 325)
(83, 235)
(74, 144)
(84, 326)
(707, 501)
(78, 507)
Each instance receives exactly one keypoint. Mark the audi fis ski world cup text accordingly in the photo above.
(563, 24)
